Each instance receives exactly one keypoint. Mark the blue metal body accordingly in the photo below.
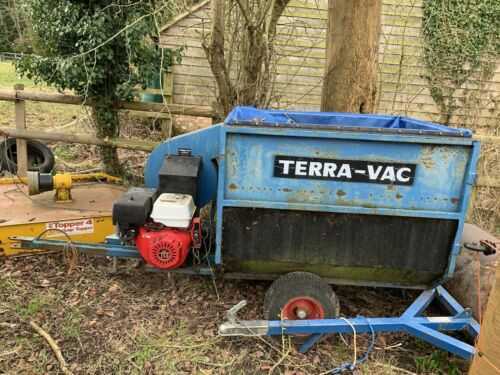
(244, 146)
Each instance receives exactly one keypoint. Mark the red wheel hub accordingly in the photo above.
(302, 308)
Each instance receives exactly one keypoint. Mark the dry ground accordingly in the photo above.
(139, 322)
(149, 323)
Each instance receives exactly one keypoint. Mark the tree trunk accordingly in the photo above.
(216, 58)
(251, 39)
(352, 47)
(108, 126)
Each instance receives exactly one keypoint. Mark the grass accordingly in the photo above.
(437, 363)
(34, 306)
(8, 77)
(72, 323)
(41, 116)
(65, 151)
(146, 351)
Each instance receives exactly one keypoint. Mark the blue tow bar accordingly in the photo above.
(411, 322)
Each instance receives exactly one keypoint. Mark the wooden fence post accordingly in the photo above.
(21, 144)
(167, 124)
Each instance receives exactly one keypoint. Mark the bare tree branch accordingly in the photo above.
(53, 345)
(215, 55)
(240, 56)
(244, 12)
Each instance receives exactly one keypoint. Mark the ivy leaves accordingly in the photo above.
(460, 36)
(461, 40)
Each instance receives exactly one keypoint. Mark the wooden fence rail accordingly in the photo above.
(173, 109)
(78, 138)
(19, 96)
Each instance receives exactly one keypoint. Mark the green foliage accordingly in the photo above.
(436, 363)
(84, 50)
(34, 306)
(461, 41)
(14, 26)
(100, 49)
(8, 34)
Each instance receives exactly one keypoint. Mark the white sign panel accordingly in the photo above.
(71, 227)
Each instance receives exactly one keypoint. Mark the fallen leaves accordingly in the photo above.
(141, 322)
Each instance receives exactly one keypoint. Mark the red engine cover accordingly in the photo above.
(164, 248)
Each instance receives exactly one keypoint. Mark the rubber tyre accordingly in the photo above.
(40, 157)
(299, 284)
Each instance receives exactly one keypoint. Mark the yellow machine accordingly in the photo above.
(82, 211)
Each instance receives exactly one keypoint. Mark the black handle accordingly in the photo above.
(484, 246)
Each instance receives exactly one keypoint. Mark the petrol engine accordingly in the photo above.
(163, 223)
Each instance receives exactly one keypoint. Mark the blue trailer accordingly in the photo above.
(308, 199)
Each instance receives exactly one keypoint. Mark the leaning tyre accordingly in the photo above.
(40, 157)
(300, 295)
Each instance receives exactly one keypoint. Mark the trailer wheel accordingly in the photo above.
(300, 295)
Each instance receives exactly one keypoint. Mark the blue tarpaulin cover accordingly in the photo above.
(253, 116)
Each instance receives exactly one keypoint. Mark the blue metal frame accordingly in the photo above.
(411, 322)
(111, 248)
(470, 179)
(203, 143)
(458, 213)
